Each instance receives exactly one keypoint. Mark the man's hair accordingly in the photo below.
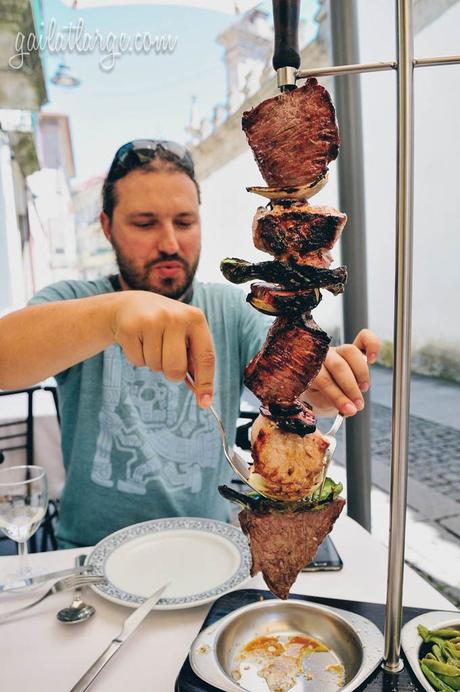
(163, 160)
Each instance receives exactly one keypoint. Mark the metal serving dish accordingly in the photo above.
(412, 642)
(354, 642)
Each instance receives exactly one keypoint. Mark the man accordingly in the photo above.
(136, 445)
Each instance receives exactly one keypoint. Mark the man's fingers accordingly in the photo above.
(330, 389)
(174, 354)
(368, 343)
(358, 365)
(343, 375)
(202, 355)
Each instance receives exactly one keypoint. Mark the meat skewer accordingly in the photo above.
(294, 137)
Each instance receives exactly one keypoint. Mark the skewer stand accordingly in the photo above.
(286, 62)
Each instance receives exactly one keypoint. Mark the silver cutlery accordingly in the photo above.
(66, 584)
(127, 629)
(239, 465)
(331, 439)
(77, 611)
(43, 578)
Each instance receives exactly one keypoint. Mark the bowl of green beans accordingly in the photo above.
(440, 657)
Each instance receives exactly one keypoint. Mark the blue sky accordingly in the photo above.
(144, 95)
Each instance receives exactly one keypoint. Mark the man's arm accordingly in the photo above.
(162, 334)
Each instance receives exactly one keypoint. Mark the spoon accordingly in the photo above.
(78, 611)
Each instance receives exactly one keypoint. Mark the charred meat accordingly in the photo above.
(287, 466)
(273, 299)
(283, 543)
(289, 360)
(292, 231)
(297, 417)
(293, 136)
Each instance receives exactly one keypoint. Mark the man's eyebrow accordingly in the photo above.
(142, 214)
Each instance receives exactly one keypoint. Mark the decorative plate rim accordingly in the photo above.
(103, 550)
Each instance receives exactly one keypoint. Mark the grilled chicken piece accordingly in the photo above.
(282, 543)
(293, 136)
(273, 299)
(297, 232)
(287, 466)
(288, 361)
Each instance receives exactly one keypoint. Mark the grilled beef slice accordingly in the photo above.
(288, 361)
(282, 543)
(293, 136)
(291, 233)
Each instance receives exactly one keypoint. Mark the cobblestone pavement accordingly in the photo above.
(434, 451)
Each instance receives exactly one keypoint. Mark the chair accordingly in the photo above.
(24, 439)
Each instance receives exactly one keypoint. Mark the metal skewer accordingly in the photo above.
(286, 65)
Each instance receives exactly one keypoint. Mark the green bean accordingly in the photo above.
(424, 632)
(443, 668)
(438, 652)
(453, 682)
(434, 680)
(445, 633)
(454, 652)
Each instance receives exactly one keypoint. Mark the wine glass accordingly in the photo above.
(23, 504)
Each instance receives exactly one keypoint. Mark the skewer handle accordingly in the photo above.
(286, 20)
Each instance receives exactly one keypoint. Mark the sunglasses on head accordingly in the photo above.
(140, 151)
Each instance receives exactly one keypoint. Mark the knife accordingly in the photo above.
(42, 578)
(127, 629)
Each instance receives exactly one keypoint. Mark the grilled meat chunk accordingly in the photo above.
(291, 276)
(282, 543)
(291, 232)
(273, 299)
(297, 417)
(286, 466)
(293, 136)
(289, 360)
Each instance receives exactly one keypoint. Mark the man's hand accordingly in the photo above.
(344, 376)
(167, 336)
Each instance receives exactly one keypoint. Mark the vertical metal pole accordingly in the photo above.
(402, 335)
(347, 97)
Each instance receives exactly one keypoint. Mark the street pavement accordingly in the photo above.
(433, 518)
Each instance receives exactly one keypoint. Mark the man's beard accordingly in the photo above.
(139, 278)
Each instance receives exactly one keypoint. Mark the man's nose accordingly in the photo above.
(168, 239)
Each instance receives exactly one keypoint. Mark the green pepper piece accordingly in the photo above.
(445, 633)
(443, 668)
(452, 649)
(453, 682)
(423, 632)
(434, 680)
(438, 653)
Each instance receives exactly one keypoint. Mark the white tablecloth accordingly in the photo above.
(39, 654)
(47, 435)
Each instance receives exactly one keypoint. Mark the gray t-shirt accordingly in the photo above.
(137, 447)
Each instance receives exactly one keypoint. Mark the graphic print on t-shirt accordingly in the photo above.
(150, 430)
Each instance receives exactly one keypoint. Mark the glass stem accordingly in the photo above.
(23, 553)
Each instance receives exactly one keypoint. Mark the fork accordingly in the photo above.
(331, 439)
(239, 465)
(66, 584)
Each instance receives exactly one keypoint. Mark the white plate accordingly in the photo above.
(411, 640)
(203, 558)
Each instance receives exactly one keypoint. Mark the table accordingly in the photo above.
(39, 654)
(47, 435)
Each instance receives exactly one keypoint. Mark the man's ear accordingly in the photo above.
(106, 225)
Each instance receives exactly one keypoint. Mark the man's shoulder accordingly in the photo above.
(72, 288)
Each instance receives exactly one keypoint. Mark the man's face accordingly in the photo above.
(155, 231)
